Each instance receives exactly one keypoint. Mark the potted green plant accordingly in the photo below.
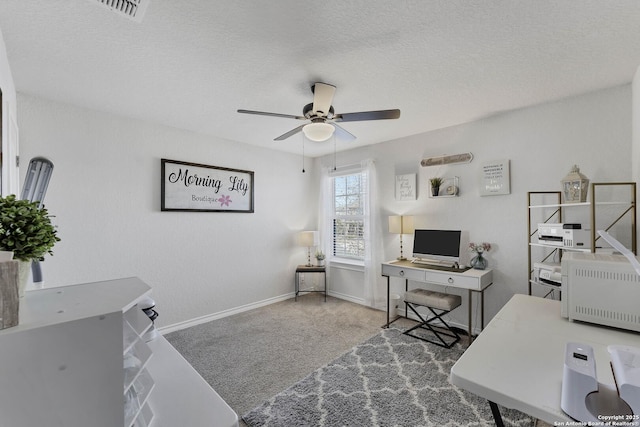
(436, 182)
(27, 231)
(320, 258)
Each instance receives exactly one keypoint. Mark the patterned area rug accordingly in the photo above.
(389, 380)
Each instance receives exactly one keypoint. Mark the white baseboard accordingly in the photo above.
(346, 297)
(219, 315)
(230, 312)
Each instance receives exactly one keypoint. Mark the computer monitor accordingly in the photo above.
(438, 246)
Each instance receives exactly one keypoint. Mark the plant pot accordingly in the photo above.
(435, 191)
(319, 262)
(24, 269)
(9, 300)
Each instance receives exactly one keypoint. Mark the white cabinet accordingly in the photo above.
(77, 359)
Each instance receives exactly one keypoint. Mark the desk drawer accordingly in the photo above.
(456, 280)
(405, 273)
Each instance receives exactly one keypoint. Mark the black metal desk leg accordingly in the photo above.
(497, 417)
(470, 316)
(388, 302)
(482, 309)
(406, 306)
(325, 286)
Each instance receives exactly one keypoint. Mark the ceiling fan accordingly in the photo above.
(322, 117)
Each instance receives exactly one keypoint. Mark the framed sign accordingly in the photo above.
(406, 187)
(195, 187)
(495, 179)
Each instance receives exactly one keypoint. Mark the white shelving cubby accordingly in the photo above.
(77, 358)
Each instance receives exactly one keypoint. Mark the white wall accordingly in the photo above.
(6, 79)
(105, 195)
(9, 137)
(635, 124)
(542, 143)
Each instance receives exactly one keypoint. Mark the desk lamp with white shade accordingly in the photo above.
(308, 239)
(401, 224)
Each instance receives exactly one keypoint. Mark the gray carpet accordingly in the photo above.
(251, 356)
(388, 380)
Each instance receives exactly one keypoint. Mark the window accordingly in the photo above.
(349, 203)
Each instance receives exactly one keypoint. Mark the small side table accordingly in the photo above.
(311, 269)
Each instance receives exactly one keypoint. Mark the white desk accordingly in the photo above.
(473, 280)
(517, 361)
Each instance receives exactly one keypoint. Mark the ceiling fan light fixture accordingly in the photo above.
(322, 116)
(318, 131)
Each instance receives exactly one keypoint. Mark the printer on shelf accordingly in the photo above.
(548, 273)
(563, 235)
(600, 288)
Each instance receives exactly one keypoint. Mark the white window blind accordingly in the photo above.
(349, 204)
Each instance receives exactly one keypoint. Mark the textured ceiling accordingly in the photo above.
(192, 63)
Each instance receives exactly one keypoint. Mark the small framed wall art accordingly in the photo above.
(406, 187)
(196, 187)
(495, 178)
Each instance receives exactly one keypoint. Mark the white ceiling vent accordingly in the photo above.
(132, 9)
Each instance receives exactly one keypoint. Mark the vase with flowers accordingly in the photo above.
(320, 258)
(479, 262)
(27, 231)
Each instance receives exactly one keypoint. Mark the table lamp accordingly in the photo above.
(308, 239)
(401, 224)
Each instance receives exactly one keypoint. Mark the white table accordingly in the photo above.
(517, 361)
(470, 279)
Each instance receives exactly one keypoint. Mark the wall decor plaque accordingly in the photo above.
(496, 178)
(196, 187)
(406, 187)
(447, 160)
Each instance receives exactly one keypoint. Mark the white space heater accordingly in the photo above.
(602, 289)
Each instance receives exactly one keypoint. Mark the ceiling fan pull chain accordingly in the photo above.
(334, 152)
(303, 153)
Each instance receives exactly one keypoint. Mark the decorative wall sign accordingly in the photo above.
(447, 160)
(495, 178)
(406, 187)
(196, 187)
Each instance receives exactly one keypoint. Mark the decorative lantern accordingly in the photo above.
(575, 186)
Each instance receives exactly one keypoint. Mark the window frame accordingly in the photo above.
(362, 195)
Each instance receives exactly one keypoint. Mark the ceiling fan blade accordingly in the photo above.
(322, 98)
(342, 133)
(262, 113)
(290, 133)
(367, 115)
